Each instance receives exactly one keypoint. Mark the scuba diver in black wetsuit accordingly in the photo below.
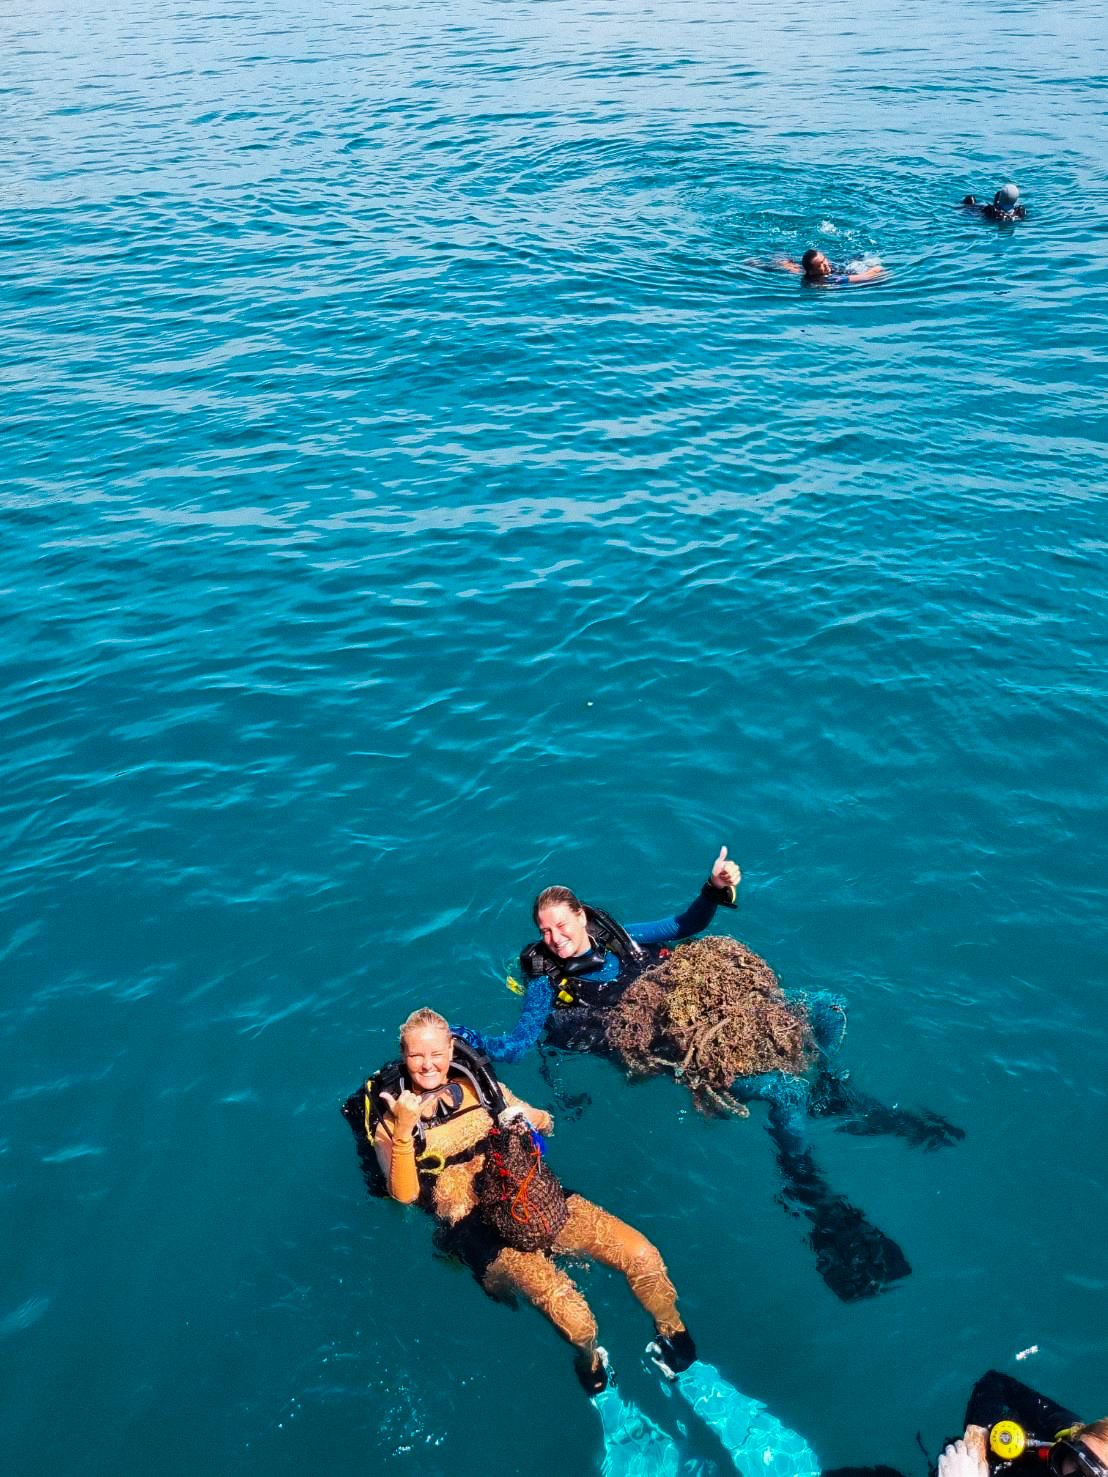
(1011, 1428)
(582, 966)
(1005, 205)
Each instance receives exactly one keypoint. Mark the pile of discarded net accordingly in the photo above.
(710, 1012)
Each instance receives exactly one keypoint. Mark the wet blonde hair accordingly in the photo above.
(424, 1016)
(551, 896)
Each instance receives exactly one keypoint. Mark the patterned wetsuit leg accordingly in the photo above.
(548, 1288)
(594, 1232)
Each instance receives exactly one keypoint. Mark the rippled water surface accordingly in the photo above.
(416, 489)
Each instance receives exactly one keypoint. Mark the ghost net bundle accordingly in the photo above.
(711, 1012)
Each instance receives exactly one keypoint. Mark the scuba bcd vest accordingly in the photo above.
(366, 1108)
(607, 937)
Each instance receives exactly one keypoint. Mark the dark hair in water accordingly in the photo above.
(808, 258)
(551, 896)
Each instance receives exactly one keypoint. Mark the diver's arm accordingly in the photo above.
(395, 1148)
(870, 274)
(787, 265)
(536, 1117)
(721, 887)
(538, 1001)
(397, 1161)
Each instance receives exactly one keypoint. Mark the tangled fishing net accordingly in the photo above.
(711, 1012)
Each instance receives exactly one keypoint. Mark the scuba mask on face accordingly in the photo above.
(1008, 1441)
(1086, 1462)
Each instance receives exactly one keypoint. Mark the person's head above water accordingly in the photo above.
(1084, 1454)
(816, 266)
(1005, 205)
(427, 1048)
(561, 920)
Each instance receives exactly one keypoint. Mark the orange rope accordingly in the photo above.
(519, 1201)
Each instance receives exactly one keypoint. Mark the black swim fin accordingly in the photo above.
(833, 1096)
(854, 1257)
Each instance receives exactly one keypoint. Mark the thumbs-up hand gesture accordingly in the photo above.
(725, 875)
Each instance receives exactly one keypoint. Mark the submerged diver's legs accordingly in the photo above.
(549, 1289)
(853, 1257)
(833, 1096)
(598, 1234)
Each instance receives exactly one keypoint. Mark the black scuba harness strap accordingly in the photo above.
(607, 937)
(468, 1064)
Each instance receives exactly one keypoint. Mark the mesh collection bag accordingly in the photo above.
(519, 1196)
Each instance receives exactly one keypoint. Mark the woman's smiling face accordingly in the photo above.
(564, 930)
(428, 1052)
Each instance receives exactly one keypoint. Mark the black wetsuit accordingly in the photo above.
(999, 1397)
(992, 212)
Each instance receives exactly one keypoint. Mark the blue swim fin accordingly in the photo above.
(756, 1441)
(633, 1445)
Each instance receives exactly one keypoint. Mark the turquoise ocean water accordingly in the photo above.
(413, 493)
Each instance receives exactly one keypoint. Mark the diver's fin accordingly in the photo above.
(854, 1257)
(923, 1130)
(866, 1117)
(633, 1445)
(755, 1440)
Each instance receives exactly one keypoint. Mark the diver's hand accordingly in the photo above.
(724, 874)
(407, 1109)
(958, 1460)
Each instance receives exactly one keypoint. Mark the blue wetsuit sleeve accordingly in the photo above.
(694, 919)
(538, 999)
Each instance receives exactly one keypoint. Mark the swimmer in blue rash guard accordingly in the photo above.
(817, 271)
(586, 960)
